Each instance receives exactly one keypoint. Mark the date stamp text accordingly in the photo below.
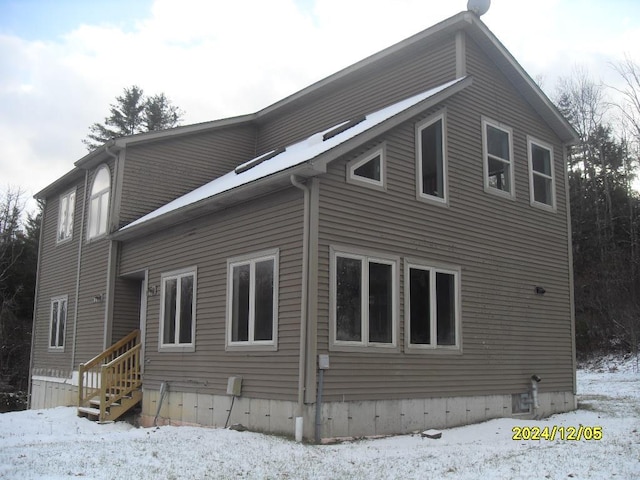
(556, 432)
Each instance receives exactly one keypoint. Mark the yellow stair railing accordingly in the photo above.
(109, 383)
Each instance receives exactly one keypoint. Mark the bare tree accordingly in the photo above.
(629, 71)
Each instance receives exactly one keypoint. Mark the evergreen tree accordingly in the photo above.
(18, 264)
(159, 113)
(134, 113)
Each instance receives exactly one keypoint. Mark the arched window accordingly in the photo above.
(99, 202)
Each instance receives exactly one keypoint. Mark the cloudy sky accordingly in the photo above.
(62, 62)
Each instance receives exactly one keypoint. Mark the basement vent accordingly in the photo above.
(257, 161)
(342, 128)
(521, 403)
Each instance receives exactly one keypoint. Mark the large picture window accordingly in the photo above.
(431, 159)
(364, 292)
(253, 300)
(99, 203)
(58, 323)
(541, 177)
(65, 216)
(432, 307)
(497, 143)
(178, 309)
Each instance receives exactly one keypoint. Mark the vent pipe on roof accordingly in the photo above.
(479, 7)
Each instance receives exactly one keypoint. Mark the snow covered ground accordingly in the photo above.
(56, 444)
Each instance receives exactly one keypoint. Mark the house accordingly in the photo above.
(390, 245)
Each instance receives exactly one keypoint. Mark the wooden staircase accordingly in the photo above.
(109, 384)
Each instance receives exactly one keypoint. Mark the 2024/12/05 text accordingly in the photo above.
(556, 432)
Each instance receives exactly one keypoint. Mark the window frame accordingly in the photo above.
(420, 126)
(69, 219)
(98, 195)
(357, 162)
(58, 348)
(511, 194)
(251, 344)
(365, 257)
(177, 275)
(531, 141)
(433, 268)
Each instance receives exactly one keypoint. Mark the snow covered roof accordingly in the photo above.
(306, 158)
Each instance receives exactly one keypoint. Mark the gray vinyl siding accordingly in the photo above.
(274, 221)
(504, 248)
(126, 309)
(376, 86)
(57, 277)
(158, 172)
(91, 315)
(93, 282)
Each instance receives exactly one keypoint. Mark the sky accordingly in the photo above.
(63, 62)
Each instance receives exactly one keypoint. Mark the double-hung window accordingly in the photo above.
(363, 293)
(541, 178)
(99, 203)
(432, 159)
(178, 310)
(497, 146)
(65, 216)
(432, 307)
(58, 323)
(252, 301)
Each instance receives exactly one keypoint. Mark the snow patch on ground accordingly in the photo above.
(56, 444)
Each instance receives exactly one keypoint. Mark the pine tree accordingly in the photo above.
(134, 113)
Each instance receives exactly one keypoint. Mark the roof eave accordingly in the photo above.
(521, 80)
(323, 160)
(221, 201)
(59, 184)
(444, 27)
(99, 154)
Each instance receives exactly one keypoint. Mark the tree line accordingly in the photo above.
(605, 207)
(18, 265)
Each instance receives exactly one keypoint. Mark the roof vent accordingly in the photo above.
(342, 128)
(257, 161)
(479, 7)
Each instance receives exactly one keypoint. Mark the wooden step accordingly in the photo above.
(89, 411)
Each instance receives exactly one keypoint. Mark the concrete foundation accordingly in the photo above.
(339, 419)
(49, 392)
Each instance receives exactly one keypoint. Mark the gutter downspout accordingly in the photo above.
(80, 244)
(303, 309)
(35, 307)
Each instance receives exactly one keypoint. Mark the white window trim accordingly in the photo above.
(433, 268)
(444, 200)
(365, 256)
(178, 347)
(530, 142)
(485, 160)
(97, 195)
(251, 259)
(58, 348)
(354, 164)
(73, 209)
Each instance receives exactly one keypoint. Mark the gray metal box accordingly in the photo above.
(234, 386)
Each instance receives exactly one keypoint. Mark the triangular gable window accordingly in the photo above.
(368, 169)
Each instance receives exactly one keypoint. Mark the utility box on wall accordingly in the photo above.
(234, 386)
